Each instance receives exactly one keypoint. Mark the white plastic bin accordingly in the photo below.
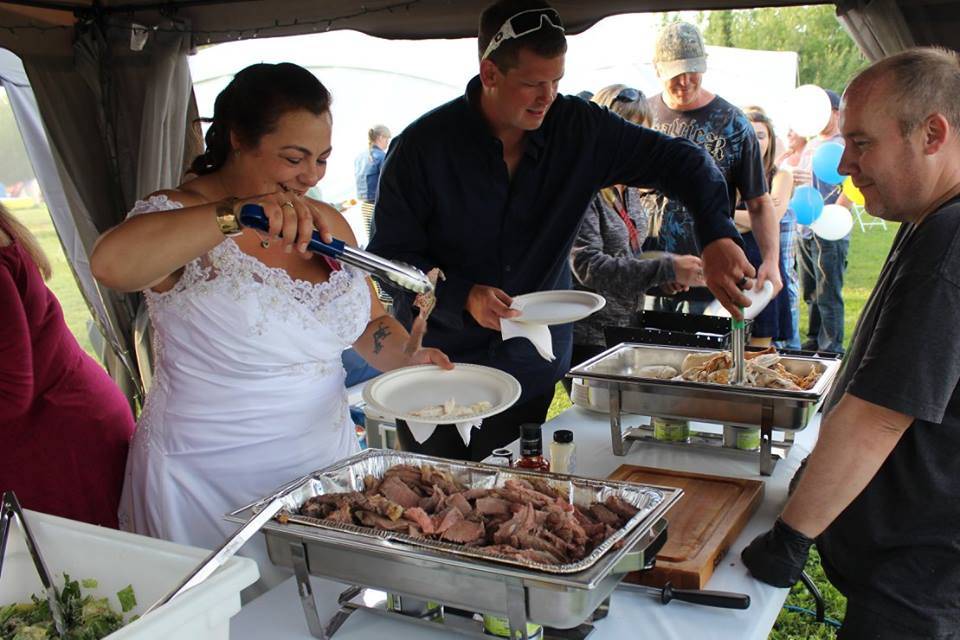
(115, 559)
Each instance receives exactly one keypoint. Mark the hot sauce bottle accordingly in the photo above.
(531, 448)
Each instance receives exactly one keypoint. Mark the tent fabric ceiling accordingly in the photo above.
(212, 21)
(215, 21)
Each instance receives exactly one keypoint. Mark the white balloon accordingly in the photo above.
(810, 110)
(834, 223)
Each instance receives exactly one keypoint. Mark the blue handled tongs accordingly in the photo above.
(404, 275)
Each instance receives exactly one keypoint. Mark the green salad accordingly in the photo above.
(85, 616)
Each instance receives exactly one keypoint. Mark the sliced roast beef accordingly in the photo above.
(604, 515)
(457, 501)
(394, 489)
(377, 521)
(447, 519)
(620, 507)
(464, 531)
(529, 519)
(420, 518)
(492, 506)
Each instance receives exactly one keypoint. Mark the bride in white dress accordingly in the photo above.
(248, 387)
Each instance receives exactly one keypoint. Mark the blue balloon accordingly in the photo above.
(826, 161)
(807, 203)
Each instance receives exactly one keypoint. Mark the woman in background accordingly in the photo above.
(605, 257)
(65, 425)
(793, 158)
(367, 167)
(775, 322)
(797, 163)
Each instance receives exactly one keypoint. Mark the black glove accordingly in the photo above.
(778, 556)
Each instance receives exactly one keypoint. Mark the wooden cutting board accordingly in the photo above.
(702, 524)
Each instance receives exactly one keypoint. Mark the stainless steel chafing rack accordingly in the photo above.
(611, 377)
(563, 596)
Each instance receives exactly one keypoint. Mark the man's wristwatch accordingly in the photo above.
(227, 218)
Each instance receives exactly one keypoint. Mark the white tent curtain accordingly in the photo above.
(57, 193)
(27, 115)
(116, 120)
(877, 26)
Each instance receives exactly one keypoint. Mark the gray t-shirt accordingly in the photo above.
(895, 550)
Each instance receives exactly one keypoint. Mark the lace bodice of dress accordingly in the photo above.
(240, 294)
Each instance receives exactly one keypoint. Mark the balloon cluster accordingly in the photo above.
(810, 110)
(810, 113)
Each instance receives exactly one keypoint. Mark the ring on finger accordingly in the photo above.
(287, 204)
(742, 282)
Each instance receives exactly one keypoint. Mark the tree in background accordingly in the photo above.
(828, 55)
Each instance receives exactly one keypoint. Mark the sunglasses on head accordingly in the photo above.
(522, 24)
(628, 95)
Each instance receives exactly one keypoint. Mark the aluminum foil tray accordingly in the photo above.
(348, 475)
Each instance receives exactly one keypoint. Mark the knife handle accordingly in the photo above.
(252, 215)
(724, 599)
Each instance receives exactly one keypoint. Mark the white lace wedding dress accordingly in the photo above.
(247, 393)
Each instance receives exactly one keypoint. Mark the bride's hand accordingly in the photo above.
(418, 354)
(292, 219)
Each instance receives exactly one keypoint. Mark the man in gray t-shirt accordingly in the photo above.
(881, 492)
(685, 109)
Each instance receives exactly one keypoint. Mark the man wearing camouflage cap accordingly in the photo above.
(685, 109)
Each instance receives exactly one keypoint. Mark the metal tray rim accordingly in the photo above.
(385, 539)
(813, 395)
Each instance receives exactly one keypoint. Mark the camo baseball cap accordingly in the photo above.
(679, 49)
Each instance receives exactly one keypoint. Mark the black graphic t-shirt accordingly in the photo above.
(724, 131)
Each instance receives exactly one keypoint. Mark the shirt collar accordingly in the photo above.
(534, 141)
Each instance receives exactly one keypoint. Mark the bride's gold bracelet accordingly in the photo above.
(227, 218)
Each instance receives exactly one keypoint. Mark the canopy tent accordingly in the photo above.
(113, 90)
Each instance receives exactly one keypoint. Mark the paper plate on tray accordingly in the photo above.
(557, 307)
(401, 392)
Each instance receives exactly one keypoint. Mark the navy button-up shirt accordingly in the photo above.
(447, 200)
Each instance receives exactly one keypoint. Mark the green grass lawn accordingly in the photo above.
(868, 249)
(867, 252)
(62, 283)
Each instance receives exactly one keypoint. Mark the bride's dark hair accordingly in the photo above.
(251, 105)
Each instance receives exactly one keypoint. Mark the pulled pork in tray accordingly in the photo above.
(526, 519)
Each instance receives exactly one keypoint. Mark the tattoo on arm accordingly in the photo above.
(378, 336)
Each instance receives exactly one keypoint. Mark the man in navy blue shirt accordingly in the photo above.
(491, 187)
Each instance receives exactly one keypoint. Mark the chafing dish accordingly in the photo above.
(454, 575)
(609, 382)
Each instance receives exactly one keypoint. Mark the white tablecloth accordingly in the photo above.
(278, 614)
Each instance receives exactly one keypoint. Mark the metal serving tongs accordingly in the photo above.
(226, 551)
(738, 339)
(11, 509)
(404, 275)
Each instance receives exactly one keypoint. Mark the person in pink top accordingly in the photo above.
(64, 423)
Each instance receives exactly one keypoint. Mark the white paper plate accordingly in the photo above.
(397, 393)
(558, 307)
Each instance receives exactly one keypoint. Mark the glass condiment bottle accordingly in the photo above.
(502, 457)
(562, 455)
(531, 448)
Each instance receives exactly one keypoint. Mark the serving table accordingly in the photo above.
(278, 614)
